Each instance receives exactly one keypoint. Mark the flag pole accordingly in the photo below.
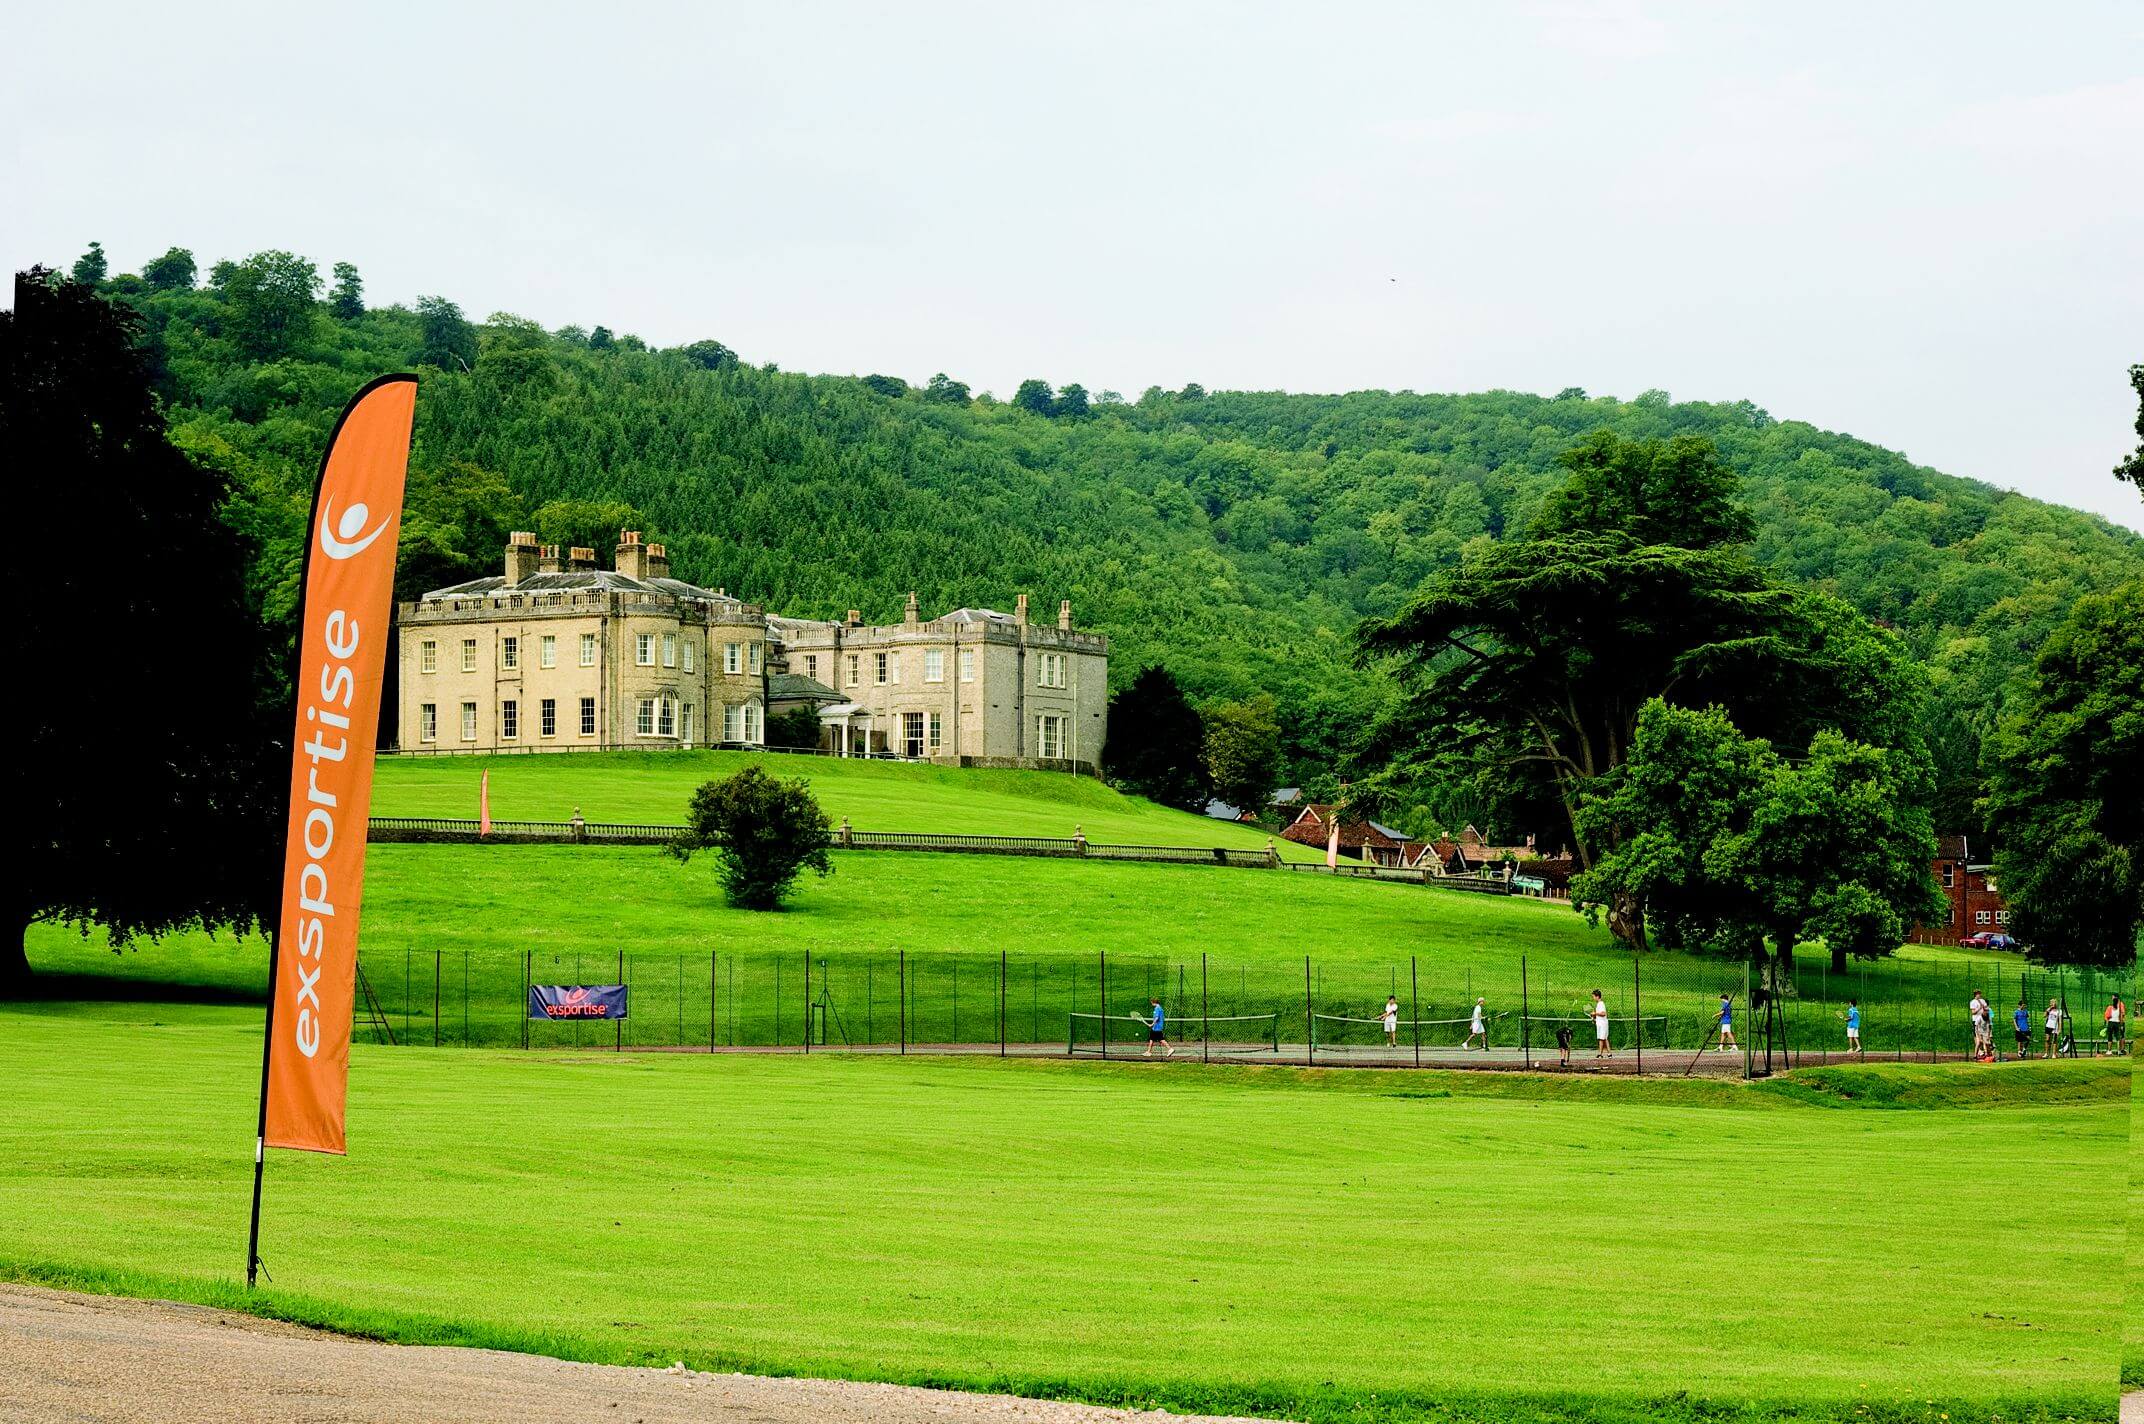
(281, 882)
(260, 1127)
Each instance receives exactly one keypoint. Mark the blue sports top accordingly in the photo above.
(1727, 1010)
(1157, 1018)
(2023, 1021)
(1853, 1017)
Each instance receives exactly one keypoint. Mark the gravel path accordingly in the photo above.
(73, 1359)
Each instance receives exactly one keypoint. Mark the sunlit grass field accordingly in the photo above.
(1222, 940)
(873, 795)
(1320, 1246)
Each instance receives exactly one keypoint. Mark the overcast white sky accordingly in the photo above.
(1916, 223)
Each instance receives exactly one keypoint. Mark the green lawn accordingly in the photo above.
(1358, 1246)
(469, 913)
(874, 795)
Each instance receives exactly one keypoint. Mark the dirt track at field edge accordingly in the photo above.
(111, 1360)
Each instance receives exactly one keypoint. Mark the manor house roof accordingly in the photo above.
(583, 581)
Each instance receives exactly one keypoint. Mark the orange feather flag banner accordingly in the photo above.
(341, 660)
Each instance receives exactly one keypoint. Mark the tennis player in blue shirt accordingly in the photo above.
(1155, 1034)
(1727, 1022)
(1853, 1026)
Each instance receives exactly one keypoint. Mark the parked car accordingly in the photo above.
(1988, 939)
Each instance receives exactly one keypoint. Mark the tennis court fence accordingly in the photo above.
(1271, 1009)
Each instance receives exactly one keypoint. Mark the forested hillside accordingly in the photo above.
(1238, 537)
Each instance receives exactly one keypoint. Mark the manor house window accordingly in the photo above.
(644, 717)
(811, 666)
(588, 716)
(1049, 736)
(934, 665)
(733, 658)
(428, 722)
(967, 664)
(665, 717)
(588, 650)
(758, 659)
(878, 668)
(751, 723)
(547, 717)
(468, 721)
(1050, 670)
(937, 730)
(428, 656)
(468, 655)
(510, 653)
(644, 649)
(732, 724)
(547, 651)
(669, 650)
(509, 720)
(854, 678)
(688, 654)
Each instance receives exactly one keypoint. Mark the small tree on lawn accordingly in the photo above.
(763, 830)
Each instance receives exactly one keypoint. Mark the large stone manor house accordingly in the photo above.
(558, 654)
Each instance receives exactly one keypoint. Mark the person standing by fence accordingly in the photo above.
(1853, 1027)
(1727, 1023)
(1600, 1026)
(2117, 1011)
(1392, 1021)
(2054, 1026)
(1479, 1027)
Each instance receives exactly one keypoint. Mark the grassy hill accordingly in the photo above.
(455, 921)
(1390, 1247)
(1239, 537)
(873, 795)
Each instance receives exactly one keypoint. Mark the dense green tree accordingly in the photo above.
(448, 341)
(1537, 655)
(172, 272)
(1035, 397)
(892, 387)
(600, 339)
(90, 268)
(138, 822)
(765, 831)
(1726, 845)
(1242, 750)
(1675, 491)
(944, 390)
(710, 355)
(346, 298)
(272, 297)
(2132, 469)
(2067, 796)
(1071, 402)
(1157, 742)
(794, 727)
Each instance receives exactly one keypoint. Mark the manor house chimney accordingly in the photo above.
(658, 562)
(581, 560)
(521, 557)
(632, 554)
(1064, 614)
(548, 560)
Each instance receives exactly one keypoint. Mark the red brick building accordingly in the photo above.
(1975, 902)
